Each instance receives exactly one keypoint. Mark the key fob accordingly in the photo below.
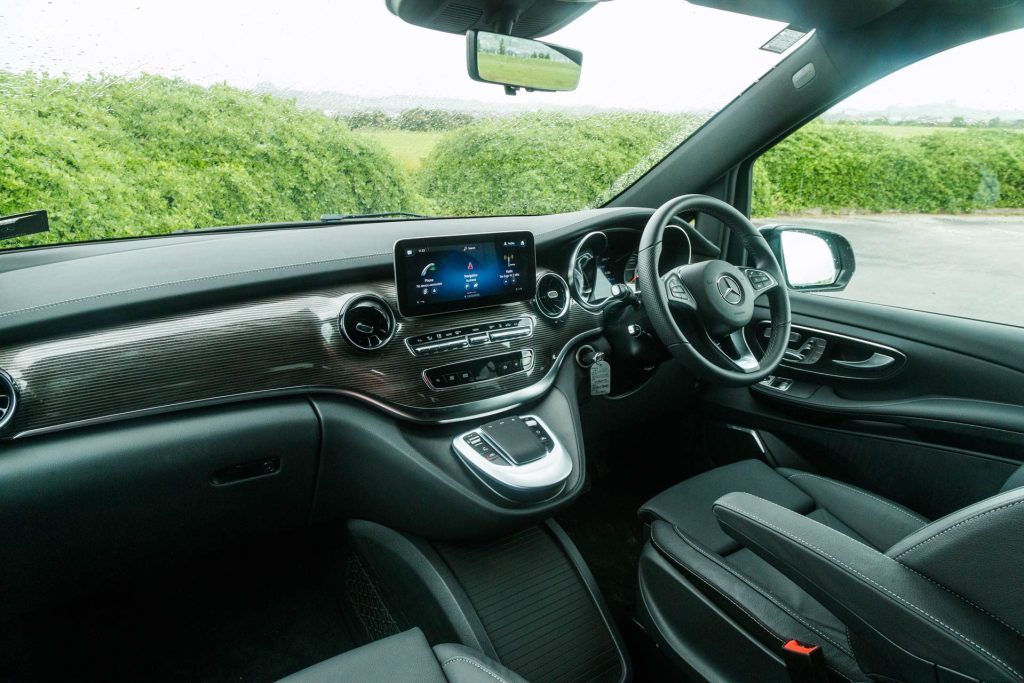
(600, 376)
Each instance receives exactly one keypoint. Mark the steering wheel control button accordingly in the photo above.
(677, 291)
(457, 338)
(516, 457)
(759, 279)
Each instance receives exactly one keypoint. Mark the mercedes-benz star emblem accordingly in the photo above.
(730, 289)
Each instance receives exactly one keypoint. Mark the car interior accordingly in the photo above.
(626, 446)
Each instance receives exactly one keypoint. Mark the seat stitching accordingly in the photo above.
(849, 641)
(957, 595)
(474, 663)
(738, 606)
(924, 613)
(763, 591)
(913, 515)
(960, 523)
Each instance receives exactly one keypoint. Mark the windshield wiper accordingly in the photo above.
(326, 219)
(21, 224)
(341, 217)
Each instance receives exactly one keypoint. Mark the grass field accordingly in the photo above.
(409, 148)
(546, 74)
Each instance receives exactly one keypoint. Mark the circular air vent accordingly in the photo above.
(552, 296)
(367, 322)
(8, 399)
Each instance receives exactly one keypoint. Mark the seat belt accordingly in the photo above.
(805, 663)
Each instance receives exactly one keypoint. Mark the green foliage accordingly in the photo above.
(834, 168)
(544, 162)
(417, 119)
(113, 158)
(369, 119)
(420, 120)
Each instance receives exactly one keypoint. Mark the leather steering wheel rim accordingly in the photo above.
(694, 290)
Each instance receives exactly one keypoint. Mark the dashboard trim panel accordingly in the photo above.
(284, 345)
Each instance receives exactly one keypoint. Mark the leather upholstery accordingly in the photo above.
(801, 556)
(893, 609)
(978, 553)
(688, 504)
(462, 664)
(743, 585)
(407, 657)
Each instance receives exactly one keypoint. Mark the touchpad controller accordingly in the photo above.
(516, 440)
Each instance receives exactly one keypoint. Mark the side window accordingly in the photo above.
(923, 174)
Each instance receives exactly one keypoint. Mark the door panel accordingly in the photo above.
(939, 427)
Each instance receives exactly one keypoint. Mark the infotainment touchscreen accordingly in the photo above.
(440, 274)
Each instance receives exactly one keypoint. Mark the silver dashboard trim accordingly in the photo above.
(445, 415)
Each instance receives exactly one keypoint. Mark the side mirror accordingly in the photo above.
(812, 260)
(521, 62)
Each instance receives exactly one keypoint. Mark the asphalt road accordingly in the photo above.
(969, 266)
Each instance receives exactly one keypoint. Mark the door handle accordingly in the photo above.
(877, 361)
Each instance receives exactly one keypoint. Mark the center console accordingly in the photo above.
(519, 458)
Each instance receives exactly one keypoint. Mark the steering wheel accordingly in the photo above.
(699, 310)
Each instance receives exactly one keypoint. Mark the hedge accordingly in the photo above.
(110, 158)
(114, 157)
(545, 162)
(840, 167)
(416, 119)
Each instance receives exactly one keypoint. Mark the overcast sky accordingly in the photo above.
(657, 54)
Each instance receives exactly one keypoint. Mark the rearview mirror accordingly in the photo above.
(521, 62)
(812, 260)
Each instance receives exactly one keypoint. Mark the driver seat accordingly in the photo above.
(802, 549)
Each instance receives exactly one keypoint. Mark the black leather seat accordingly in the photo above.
(743, 558)
(408, 658)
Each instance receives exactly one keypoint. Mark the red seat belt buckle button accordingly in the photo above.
(805, 663)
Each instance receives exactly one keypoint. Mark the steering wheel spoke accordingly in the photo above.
(745, 360)
(759, 280)
(678, 296)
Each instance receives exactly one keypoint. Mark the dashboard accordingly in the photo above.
(170, 323)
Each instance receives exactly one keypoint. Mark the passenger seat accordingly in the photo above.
(408, 657)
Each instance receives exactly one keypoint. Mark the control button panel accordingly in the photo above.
(542, 435)
(779, 383)
(759, 279)
(484, 449)
(476, 334)
(479, 369)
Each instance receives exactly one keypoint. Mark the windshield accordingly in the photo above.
(128, 118)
